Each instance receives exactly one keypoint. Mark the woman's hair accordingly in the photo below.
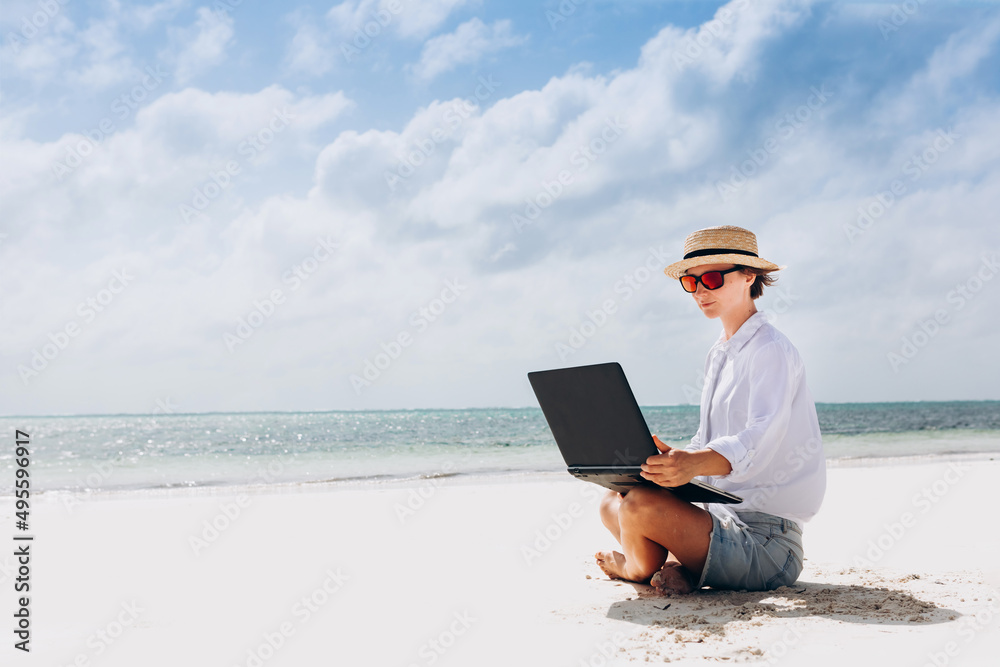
(764, 279)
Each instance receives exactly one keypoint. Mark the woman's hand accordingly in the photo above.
(676, 467)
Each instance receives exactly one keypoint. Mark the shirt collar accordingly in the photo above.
(742, 335)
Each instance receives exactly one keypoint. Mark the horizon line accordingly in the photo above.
(361, 410)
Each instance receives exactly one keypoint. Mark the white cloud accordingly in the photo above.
(349, 27)
(470, 42)
(108, 63)
(41, 56)
(201, 45)
(409, 18)
(175, 145)
(955, 59)
(119, 210)
(420, 19)
(450, 217)
(142, 17)
(45, 46)
(94, 57)
(310, 51)
(350, 14)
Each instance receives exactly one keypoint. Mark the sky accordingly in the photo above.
(380, 204)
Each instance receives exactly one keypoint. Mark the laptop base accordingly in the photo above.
(624, 479)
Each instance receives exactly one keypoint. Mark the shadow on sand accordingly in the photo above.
(852, 603)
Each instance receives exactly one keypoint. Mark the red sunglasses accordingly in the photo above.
(710, 279)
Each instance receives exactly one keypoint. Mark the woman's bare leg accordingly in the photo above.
(652, 523)
(609, 513)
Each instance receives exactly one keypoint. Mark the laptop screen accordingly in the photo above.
(593, 415)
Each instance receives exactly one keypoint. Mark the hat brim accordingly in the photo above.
(677, 268)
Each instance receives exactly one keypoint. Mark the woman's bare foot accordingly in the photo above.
(673, 578)
(612, 563)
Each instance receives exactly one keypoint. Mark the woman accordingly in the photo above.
(758, 438)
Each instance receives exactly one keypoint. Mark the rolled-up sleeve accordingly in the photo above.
(769, 406)
(695, 443)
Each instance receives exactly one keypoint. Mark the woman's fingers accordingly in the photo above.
(660, 462)
(662, 446)
(661, 480)
(667, 469)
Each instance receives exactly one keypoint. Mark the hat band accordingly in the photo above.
(718, 251)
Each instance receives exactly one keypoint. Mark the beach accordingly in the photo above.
(495, 570)
(280, 283)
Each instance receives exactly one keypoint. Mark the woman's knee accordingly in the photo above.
(638, 502)
(645, 504)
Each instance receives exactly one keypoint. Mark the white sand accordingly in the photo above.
(470, 579)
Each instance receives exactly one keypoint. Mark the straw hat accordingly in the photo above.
(720, 245)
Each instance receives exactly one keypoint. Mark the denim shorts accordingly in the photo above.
(764, 555)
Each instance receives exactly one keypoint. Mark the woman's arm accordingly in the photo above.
(675, 467)
(771, 385)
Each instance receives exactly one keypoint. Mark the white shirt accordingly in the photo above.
(756, 410)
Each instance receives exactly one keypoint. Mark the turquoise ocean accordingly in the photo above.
(119, 452)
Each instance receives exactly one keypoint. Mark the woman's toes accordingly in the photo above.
(673, 578)
(611, 563)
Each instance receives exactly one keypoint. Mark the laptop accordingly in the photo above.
(601, 432)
